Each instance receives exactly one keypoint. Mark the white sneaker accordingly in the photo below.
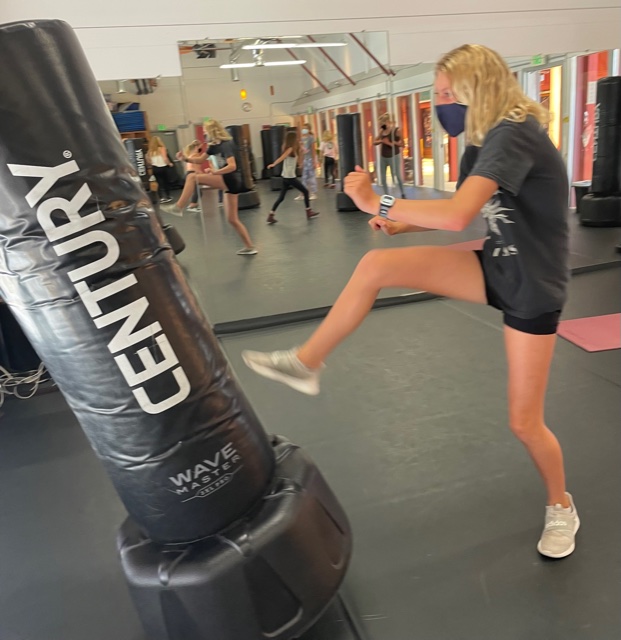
(247, 251)
(559, 533)
(174, 210)
(284, 366)
(193, 209)
(165, 200)
(300, 197)
(313, 196)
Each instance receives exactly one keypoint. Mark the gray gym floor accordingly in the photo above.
(410, 431)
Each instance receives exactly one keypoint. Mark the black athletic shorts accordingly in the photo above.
(545, 324)
(233, 182)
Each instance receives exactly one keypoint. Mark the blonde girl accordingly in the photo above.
(227, 178)
(157, 156)
(513, 174)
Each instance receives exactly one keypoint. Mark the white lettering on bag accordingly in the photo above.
(130, 314)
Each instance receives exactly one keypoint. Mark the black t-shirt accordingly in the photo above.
(224, 149)
(526, 254)
(387, 150)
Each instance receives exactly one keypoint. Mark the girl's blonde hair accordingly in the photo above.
(191, 148)
(291, 141)
(154, 145)
(481, 79)
(327, 136)
(385, 118)
(215, 131)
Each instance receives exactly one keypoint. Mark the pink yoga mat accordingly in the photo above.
(598, 333)
(471, 245)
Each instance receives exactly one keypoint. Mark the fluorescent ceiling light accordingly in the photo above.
(278, 45)
(238, 65)
(282, 63)
(320, 44)
(293, 45)
(247, 65)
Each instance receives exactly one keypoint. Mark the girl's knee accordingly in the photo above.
(525, 427)
(370, 264)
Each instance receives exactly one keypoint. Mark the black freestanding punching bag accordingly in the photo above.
(602, 207)
(249, 198)
(107, 307)
(277, 138)
(231, 535)
(136, 149)
(607, 141)
(266, 147)
(350, 154)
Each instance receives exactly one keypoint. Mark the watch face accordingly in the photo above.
(387, 201)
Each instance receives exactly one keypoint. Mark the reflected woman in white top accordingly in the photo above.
(160, 163)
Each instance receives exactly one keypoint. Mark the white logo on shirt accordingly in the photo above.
(492, 211)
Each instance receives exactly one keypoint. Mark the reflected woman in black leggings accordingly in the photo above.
(289, 158)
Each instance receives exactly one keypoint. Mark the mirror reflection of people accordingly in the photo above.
(193, 149)
(289, 158)
(512, 173)
(327, 148)
(390, 139)
(309, 162)
(157, 156)
(228, 178)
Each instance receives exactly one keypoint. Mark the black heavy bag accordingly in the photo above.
(277, 138)
(350, 154)
(86, 270)
(249, 198)
(607, 141)
(241, 155)
(600, 211)
(269, 575)
(16, 353)
(268, 158)
(136, 149)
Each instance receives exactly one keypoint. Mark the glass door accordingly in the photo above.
(425, 138)
(367, 137)
(404, 122)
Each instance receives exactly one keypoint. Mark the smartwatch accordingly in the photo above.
(385, 203)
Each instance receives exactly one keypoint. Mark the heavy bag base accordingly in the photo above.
(177, 243)
(344, 202)
(600, 211)
(275, 183)
(248, 200)
(270, 575)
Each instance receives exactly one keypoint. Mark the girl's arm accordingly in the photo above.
(287, 152)
(229, 167)
(451, 214)
(164, 154)
(398, 139)
(197, 158)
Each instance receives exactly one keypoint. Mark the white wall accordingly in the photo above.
(207, 91)
(137, 39)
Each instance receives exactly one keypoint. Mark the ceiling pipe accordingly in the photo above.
(336, 66)
(388, 72)
(310, 73)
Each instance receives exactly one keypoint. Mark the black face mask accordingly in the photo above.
(452, 117)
